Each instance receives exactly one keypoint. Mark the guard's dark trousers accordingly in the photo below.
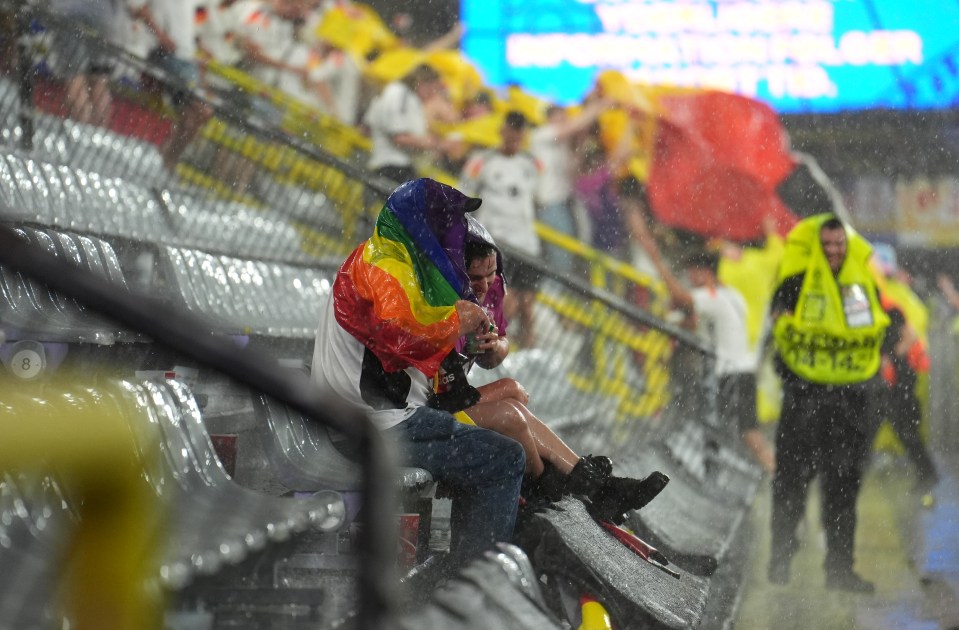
(825, 431)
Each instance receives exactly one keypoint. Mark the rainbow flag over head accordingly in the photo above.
(395, 293)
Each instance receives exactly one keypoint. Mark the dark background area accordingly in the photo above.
(429, 18)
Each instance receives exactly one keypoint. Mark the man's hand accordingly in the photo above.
(493, 351)
(472, 318)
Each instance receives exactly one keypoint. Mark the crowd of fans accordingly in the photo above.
(420, 106)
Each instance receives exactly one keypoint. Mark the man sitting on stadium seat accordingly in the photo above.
(395, 313)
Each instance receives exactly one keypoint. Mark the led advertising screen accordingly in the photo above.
(796, 55)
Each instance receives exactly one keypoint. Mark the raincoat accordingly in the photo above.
(835, 332)
(396, 292)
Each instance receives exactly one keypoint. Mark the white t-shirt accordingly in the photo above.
(555, 183)
(721, 322)
(397, 110)
(276, 38)
(218, 28)
(343, 76)
(339, 367)
(177, 18)
(507, 184)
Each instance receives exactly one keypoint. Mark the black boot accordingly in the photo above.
(847, 580)
(590, 474)
(620, 495)
(549, 487)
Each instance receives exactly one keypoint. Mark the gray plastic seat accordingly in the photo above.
(232, 228)
(68, 316)
(30, 310)
(31, 189)
(113, 154)
(213, 522)
(30, 556)
(36, 522)
(97, 256)
(246, 296)
(12, 205)
(187, 287)
(69, 199)
(46, 312)
(498, 591)
(309, 206)
(141, 214)
(19, 314)
(49, 141)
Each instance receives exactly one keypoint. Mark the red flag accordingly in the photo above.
(717, 160)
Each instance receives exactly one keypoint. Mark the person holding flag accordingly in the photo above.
(395, 312)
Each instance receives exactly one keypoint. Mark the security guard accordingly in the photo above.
(828, 329)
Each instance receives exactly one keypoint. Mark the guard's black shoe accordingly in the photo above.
(849, 581)
(926, 482)
(622, 494)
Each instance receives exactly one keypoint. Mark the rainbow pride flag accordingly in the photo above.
(395, 293)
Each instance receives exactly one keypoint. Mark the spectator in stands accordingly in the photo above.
(398, 125)
(550, 144)
(172, 24)
(276, 50)
(84, 66)
(507, 179)
(218, 24)
(752, 271)
(948, 290)
(828, 329)
(554, 468)
(718, 313)
(379, 342)
(342, 76)
(903, 357)
(478, 106)
(439, 109)
(596, 189)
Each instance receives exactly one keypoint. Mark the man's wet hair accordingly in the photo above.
(515, 120)
(477, 249)
(832, 223)
(421, 74)
(702, 259)
(483, 98)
